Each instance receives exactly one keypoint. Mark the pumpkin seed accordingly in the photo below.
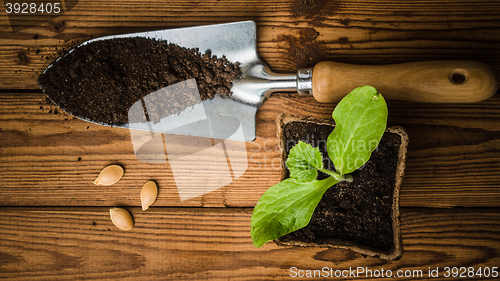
(121, 218)
(148, 194)
(109, 175)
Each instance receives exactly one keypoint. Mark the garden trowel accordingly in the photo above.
(234, 118)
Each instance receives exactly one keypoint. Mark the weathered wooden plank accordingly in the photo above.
(214, 244)
(291, 34)
(52, 159)
(54, 223)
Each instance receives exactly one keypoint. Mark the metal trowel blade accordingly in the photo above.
(224, 118)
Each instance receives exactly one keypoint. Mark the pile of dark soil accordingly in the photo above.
(101, 80)
(357, 211)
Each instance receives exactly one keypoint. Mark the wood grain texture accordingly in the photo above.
(291, 34)
(428, 82)
(214, 244)
(52, 159)
(54, 222)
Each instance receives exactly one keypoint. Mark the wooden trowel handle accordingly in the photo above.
(429, 81)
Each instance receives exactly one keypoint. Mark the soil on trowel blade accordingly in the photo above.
(101, 80)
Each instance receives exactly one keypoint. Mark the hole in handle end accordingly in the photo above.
(458, 76)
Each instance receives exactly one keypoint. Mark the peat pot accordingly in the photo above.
(362, 215)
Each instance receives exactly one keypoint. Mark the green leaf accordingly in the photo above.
(360, 122)
(286, 207)
(304, 161)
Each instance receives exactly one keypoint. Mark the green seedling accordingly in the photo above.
(360, 121)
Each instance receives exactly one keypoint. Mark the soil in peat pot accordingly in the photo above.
(357, 211)
(101, 80)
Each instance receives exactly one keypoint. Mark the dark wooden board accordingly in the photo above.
(52, 158)
(54, 222)
(69, 243)
(291, 34)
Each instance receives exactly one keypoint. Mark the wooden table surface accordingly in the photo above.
(54, 222)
